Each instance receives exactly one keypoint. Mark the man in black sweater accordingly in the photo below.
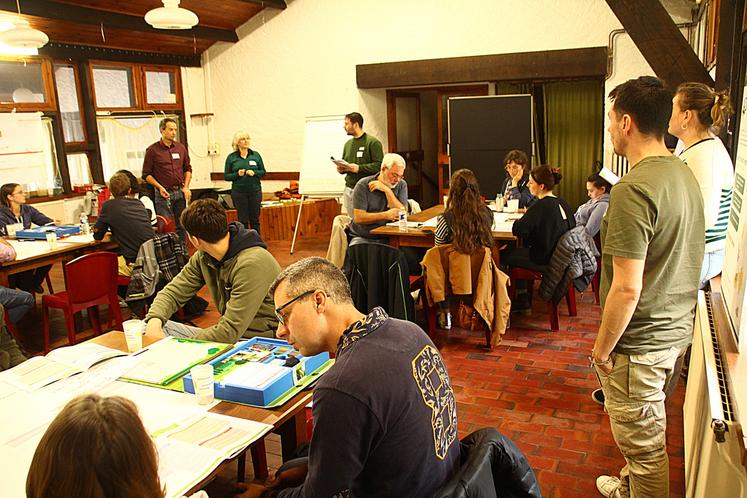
(385, 419)
(128, 220)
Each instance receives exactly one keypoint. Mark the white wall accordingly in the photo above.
(301, 61)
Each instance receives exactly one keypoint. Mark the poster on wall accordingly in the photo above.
(735, 255)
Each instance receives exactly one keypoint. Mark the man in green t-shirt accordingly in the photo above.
(652, 250)
(363, 153)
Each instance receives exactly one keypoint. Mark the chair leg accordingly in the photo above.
(93, 315)
(570, 300)
(70, 324)
(45, 327)
(49, 284)
(430, 319)
(115, 311)
(488, 337)
(554, 318)
(595, 287)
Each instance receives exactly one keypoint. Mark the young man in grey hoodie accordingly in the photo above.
(238, 270)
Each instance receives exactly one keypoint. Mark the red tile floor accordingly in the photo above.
(535, 388)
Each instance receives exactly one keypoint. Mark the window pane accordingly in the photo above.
(160, 87)
(79, 169)
(21, 82)
(113, 87)
(67, 92)
(31, 159)
(123, 141)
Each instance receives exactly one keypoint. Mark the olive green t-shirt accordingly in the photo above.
(656, 214)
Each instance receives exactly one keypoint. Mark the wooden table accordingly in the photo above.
(279, 221)
(35, 254)
(423, 237)
(287, 420)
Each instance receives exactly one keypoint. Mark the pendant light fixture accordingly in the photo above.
(22, 35)
(171, 16)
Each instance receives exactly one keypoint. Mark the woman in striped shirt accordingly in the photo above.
(698, 112)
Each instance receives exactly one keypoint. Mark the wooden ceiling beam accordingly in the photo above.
(71, 51)
(86, 15)
(277, 4)
(660, 41)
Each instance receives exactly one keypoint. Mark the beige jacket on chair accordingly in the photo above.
(448, 272)
(338, 240)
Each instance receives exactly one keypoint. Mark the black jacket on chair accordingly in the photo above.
(378, 276)
(491, 467)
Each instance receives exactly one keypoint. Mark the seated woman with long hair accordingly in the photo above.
(466, 224)
(95, 448)
(543, 223)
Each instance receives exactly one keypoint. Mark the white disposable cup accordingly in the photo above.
(202, 379)
(133, 331)
(52, 240)
(11, 230)
(512, 206)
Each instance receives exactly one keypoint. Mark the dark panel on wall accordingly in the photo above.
(483, 129)
(545, 65)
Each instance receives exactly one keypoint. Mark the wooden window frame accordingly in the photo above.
(177, 105)
(47, 80)
(78, 95)
(136, 97)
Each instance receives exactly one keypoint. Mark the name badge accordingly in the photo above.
(174, 155)
(252, 163)
(359, 154)
(361, 148)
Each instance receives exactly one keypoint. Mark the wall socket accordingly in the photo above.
(213, 150)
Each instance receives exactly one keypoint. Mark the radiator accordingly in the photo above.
(712, 447)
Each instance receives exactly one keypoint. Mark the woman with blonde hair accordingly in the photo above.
(244, 168)
(95, 448)
(698, 112)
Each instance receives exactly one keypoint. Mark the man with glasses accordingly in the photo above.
(237, 268)
(377, 199)
(385, 419)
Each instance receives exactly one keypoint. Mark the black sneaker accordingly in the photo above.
(598, 396)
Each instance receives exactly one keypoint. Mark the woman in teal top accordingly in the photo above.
(244, 168)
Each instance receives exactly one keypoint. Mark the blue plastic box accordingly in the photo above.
(259, 350)
(40, 233)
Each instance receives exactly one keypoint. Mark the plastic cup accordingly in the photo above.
(512, 205)
(52, 240)
(11, 230)
(446, 199)
(133, 331)
(202, 379)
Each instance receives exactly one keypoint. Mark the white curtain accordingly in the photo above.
(123, 141)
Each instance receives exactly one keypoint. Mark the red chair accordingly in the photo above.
(91, 281)
(417, 282)
(164, 224)
(598, 273)
(532, 275)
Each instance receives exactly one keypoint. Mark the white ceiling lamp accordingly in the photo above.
(171, 16)
(23, 36)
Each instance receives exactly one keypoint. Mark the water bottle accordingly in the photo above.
(402, 220)
(499, 202)
(85, 228)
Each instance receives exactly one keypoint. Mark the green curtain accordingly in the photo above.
(574, 128)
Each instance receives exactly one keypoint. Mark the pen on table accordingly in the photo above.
(140, 352)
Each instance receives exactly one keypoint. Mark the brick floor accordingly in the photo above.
(535, 388)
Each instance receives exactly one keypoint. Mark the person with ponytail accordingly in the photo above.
(543, 223)
(466, 224)
(698, 112)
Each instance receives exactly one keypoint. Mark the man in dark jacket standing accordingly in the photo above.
(237, 268)
(385, 419)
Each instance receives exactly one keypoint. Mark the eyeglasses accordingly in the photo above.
(282, 318)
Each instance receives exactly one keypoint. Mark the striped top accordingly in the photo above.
(710, 163)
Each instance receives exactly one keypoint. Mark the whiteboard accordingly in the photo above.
(324, 137)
